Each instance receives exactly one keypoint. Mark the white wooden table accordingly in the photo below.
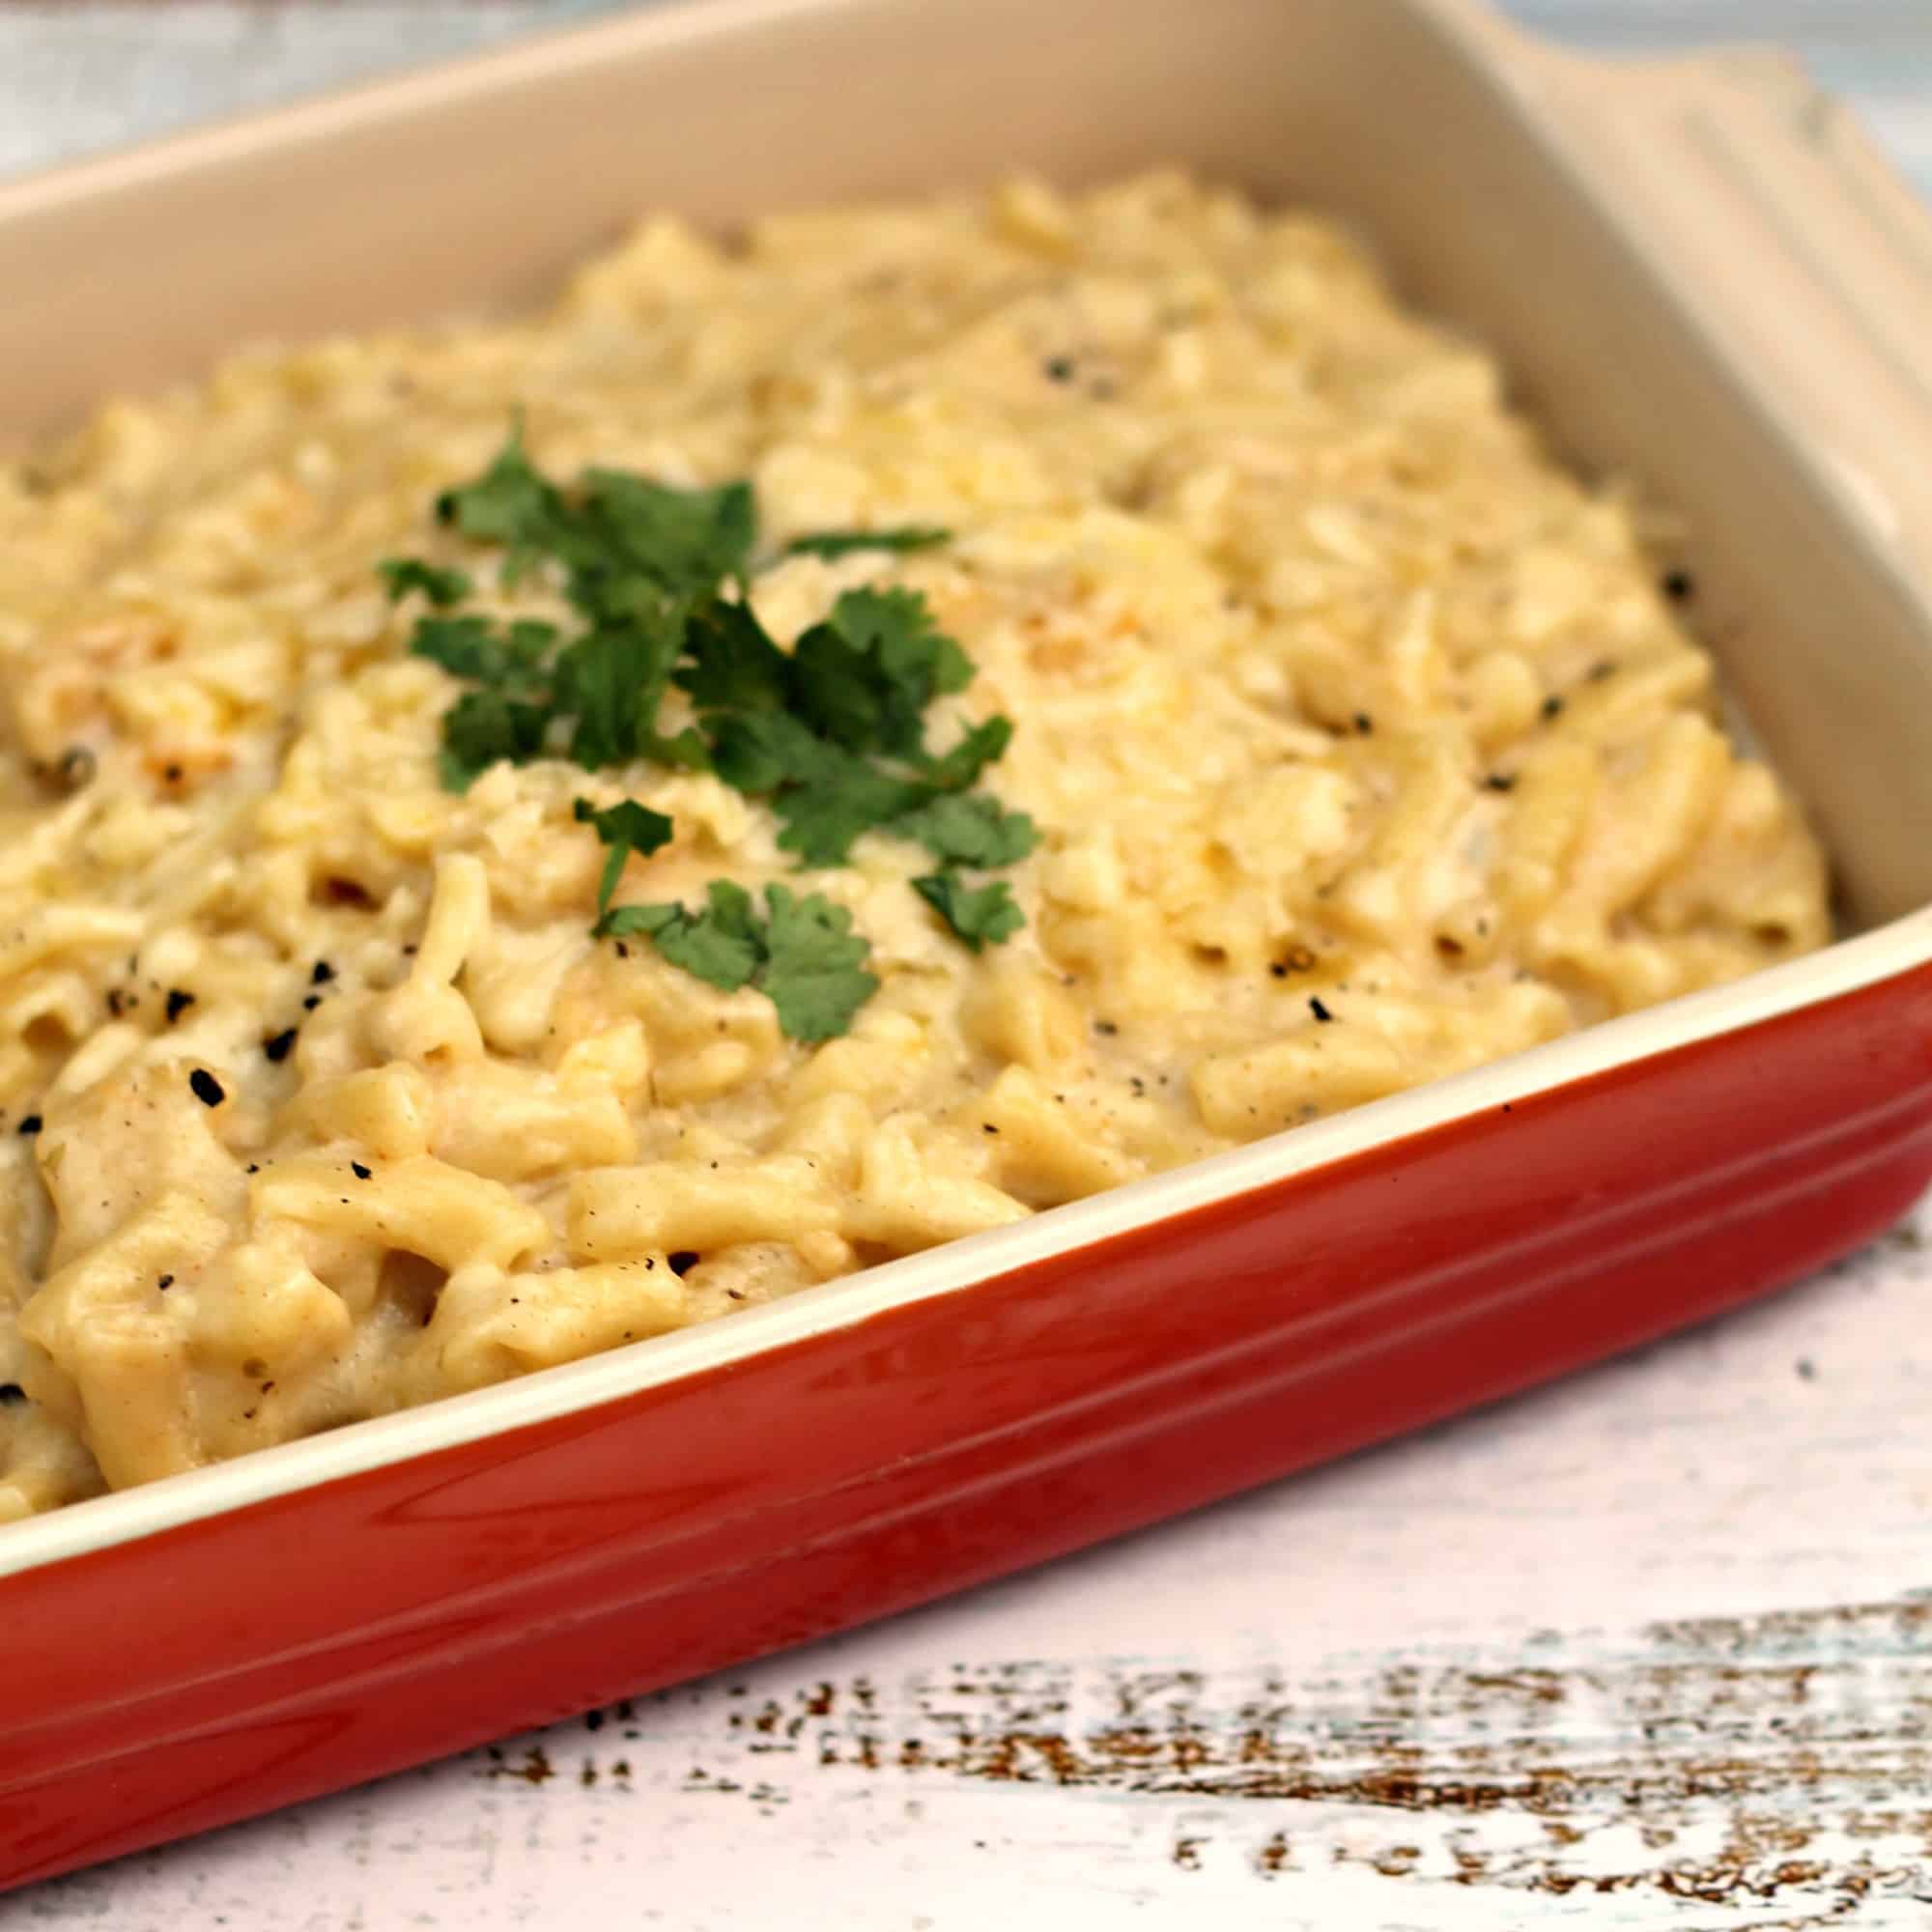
(1652, 1648)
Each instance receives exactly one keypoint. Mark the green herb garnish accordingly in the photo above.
(624, 828)
(803, 958)
(970, 829)
(981, 915)
(476, 647)
(833, 732)
(684, 541)
(831, 544)
(403, 573)
(482, 728)
(509, 504)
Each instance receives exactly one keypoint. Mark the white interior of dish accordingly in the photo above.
(1419, 119)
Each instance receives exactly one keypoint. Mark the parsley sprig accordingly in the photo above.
(624, 828)
(832, 733)
(802, 956)
(831, 544)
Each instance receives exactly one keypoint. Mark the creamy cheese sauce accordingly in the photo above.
(1363, 744)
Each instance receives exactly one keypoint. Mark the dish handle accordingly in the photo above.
(1791, 242)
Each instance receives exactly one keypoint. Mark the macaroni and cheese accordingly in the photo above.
(1362, 744)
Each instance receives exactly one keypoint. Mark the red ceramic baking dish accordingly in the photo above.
(1697, 272)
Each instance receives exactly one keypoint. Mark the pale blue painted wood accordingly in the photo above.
(78, 77)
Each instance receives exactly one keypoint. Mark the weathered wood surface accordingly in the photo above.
(1650, 1649)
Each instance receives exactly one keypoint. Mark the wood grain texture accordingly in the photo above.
(1650, 1649)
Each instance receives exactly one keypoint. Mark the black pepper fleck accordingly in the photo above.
(179, 1002)
(30, 1124)
(1364, 724)
(1600, 671)
(321, 973)
(11, 1393)
(205, 1087)
(1500, 782)
(166, 1282)
(278, 1046)
(360, 1172)
(1551, 705)
(311, 1004)
(593, 1721)
(173, 775)
(117, 1002)
(1321, 1013)
(1058, 368)
(1679, 586)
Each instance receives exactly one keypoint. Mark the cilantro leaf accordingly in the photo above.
(613, 678)
(981, 915)
(686, 749)
(813, 973)
(722, 945)
(625, 541)
(837, 690)
(625, 827)
(627, 921)
(802, 956)
(734, 664)
(403, 573)
(511, 503)
(831, 544)
(688, 541)
(471, 646)
(824, 816)
(969, 829)
(907, 661)
(464, 646)
(483, 726)
(982, 746)
(757, 751)
(896, 627)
